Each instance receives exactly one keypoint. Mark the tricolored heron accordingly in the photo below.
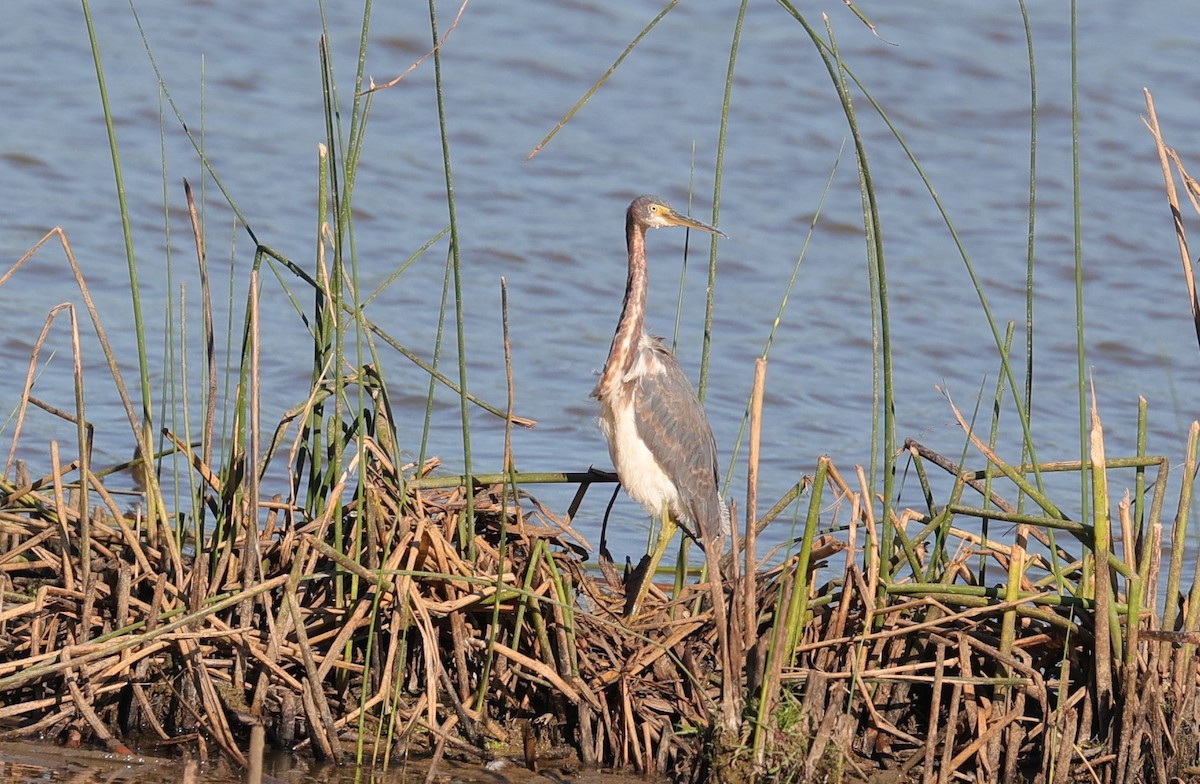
(658, 436)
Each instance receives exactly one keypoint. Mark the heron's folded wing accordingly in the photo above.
(671, 422)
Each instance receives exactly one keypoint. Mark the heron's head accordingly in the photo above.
(653, 212)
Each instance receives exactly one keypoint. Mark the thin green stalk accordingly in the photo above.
(798, 604)
(316, 450)
(603, 78)
(540, 551)
(563, 601)
(944, 528)
(1071, 466)
(1139, 554)
(1179, 540)
(348, 144)
(197, 144)
(369, 650)
(1139, 478)
(1150, 566)
(513, 491)
(1081, 366)
(536, 478)
(1029, 255)
(194, 491)
(881, 323)
(683, 267)
(1080, 530)
(918, 464)
(335, 432)
(943, 519)
(1191, 622)
(993, 435)
(438, 338)
(143, 430)
(404, 265)
(718, 172)
(467, 524)
(783, 303)
(172, 400)
(349, 141)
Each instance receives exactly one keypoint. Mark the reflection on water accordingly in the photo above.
(37, 763)
(26, 763)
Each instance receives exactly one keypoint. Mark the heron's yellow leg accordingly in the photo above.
(639, 584)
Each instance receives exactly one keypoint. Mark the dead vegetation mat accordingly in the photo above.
(389, 628)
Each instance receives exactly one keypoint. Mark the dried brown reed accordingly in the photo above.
(420, 650)
(157, 640)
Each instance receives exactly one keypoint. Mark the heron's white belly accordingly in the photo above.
(640, 473)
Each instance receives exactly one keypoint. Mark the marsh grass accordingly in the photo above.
(367, 609)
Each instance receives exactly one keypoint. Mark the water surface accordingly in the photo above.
(953, 77)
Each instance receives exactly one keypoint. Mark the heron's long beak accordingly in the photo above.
(683, 220)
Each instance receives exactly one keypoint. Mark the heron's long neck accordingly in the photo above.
(633, 316)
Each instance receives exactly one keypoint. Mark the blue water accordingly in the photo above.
(953, 77)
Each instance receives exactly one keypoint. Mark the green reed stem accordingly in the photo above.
(467, 524)
(783, 303)
(143, 430)
(798, 602)
(512, 491)
(197, 144)
(170, 397)
(993, 435)
(1136, 550)
(718, 172)
(323, 326)
(1080, 349)
(603, 78)
(1139, 478)
(943, 529)
(1032, 220)
(335, 433)
(438, 342)
(883, 387)
(1191, 621)
(563, 602)
(1180, 538)
(540, 551)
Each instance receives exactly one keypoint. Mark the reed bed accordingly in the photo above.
(398, 645)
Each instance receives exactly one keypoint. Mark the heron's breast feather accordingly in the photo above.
(641, 475)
